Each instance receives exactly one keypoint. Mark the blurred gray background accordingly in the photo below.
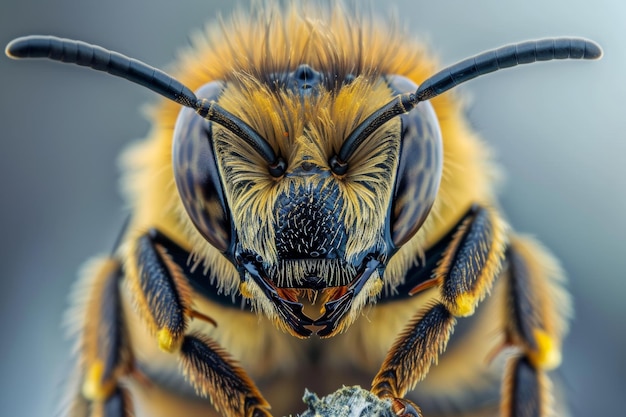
(558, 129)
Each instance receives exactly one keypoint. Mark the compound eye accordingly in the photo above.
(196, 173)
(420, 166)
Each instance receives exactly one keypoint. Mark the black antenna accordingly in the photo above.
(101, 59)
(484, 63)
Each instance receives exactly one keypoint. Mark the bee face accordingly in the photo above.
(309, 232)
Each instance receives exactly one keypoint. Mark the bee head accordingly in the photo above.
(309, 231)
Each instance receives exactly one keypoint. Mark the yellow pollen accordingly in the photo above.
(244, 290)
(167, 341)
(464, 305)
(93, 386)
(547, 356)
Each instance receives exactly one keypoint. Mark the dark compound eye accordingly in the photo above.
(196, 174)
(420, 166)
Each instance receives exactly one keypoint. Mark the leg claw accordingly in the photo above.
(405, 408)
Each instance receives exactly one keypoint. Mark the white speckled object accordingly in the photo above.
(346, 402)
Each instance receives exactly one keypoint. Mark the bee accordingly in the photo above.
(311, 209)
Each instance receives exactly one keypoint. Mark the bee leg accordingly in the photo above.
(464, 275)
(104, 354)
(212, 372)
(409, 359)
(162, 295)
(536, 312)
